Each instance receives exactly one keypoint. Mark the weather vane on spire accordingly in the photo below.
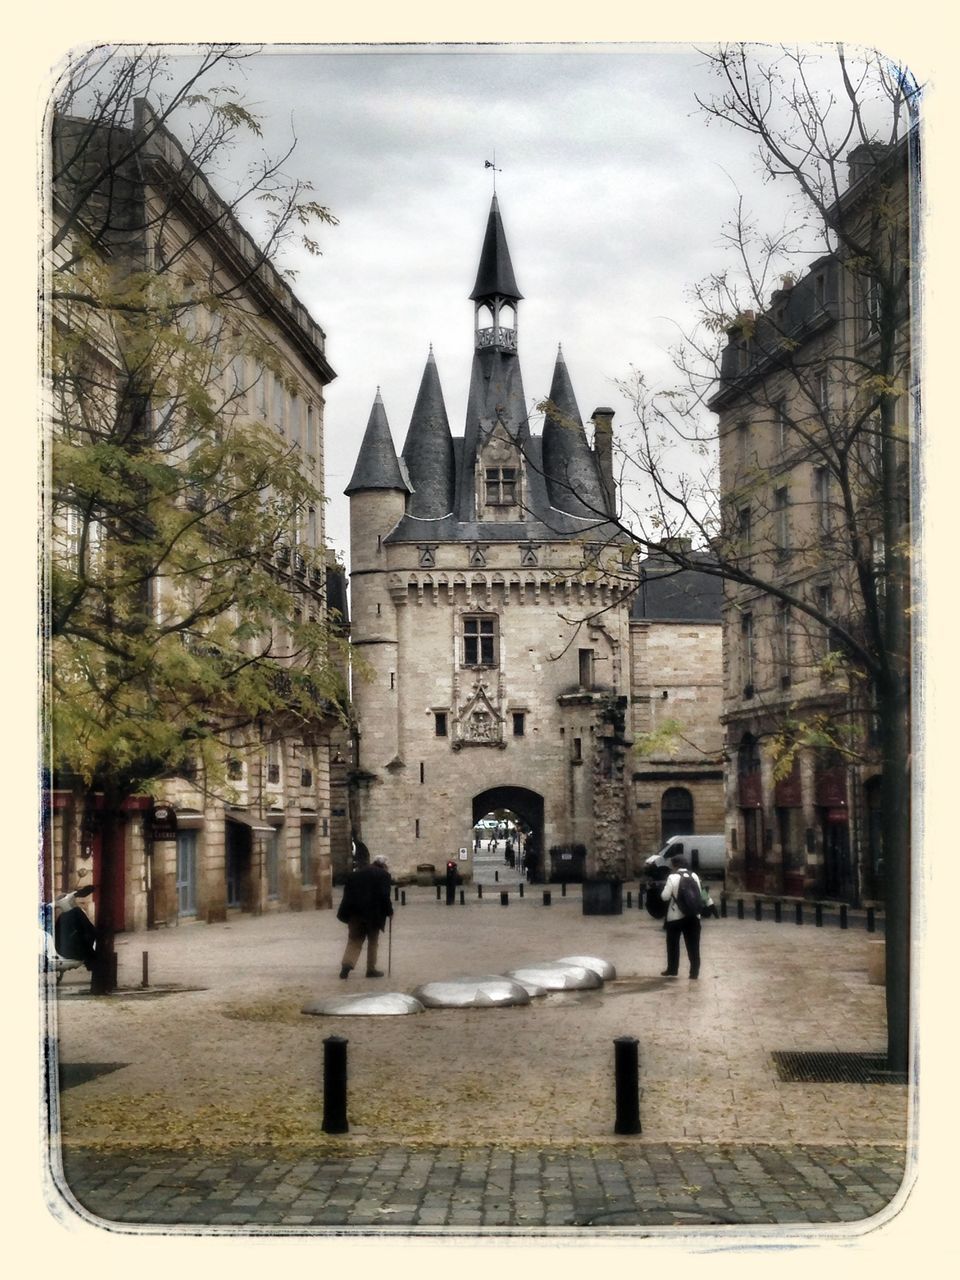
(492, 164)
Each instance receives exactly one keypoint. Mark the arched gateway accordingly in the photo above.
(527, 805)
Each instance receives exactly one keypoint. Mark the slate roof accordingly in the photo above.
(377, 466)
(669, 594)
(495, 272)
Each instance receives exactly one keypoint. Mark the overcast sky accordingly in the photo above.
(612, 188)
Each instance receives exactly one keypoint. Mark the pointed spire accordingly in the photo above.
(428, 449)
(377, 466)
(495, 273)
(573, 481)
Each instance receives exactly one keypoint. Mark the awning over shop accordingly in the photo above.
(245, 820)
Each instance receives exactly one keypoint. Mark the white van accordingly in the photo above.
(706, 855)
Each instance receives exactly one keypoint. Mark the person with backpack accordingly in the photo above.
(684, 898)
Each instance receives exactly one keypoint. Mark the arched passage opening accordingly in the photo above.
(526, 808)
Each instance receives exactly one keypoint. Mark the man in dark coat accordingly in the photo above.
(364, 909)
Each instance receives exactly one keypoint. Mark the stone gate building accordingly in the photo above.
(508, 656)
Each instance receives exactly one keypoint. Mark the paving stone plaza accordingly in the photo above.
(195, 1103)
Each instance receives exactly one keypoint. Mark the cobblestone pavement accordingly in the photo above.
(196, 1104)
(494, 1191)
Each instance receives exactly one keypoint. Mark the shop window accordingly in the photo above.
(307, 834)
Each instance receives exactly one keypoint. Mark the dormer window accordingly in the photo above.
(501, 486)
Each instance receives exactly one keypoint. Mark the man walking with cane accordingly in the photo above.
(365, 909)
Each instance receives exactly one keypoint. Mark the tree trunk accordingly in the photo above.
(895, 809)
(103, 975)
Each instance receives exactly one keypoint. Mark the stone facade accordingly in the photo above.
(504, 657)
(800, 458)
(262, 841)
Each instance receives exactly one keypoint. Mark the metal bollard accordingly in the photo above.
(520, 887)
(403, 897)
(627, 1076)
(504, 898)
(479, 890)
(778, 911)
(871, 920)
(439, 887)
(629, 899)
(843, 915)
(462, 898)
(799, 913)
(757, 909)
(145, 979)
(335, 1084)
(723, 906)
(563, 888)
(546, 897)
(396, 892)
(739, 908)
(818, 915)
(496, 876)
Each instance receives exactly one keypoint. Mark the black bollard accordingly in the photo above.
(757, 909)
(396, 892)
(520, 887)
(462, 898)
(438, 892)
(504, 898)
(778, 911)
(335, 1085)
(723, 906)
(871, 920)
(563, 888)
(818, 915)
(739, 908)
(479, 890)
(403, 897)
(546, 897)
(496, 876)
(145, 979)
(626, 1059)
(629, 899)
(843, 915)
(799, 913)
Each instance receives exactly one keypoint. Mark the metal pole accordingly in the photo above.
(818, 915)
(546, 897)
(504, 898)
(627, 1072)
(403, 897)
(843, 915)
(799, 913)
(335, 1085)
(739, 908)
(778, 911)
(758, 908)
(145, 980)
(389, 944)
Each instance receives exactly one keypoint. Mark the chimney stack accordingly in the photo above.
(602, 420)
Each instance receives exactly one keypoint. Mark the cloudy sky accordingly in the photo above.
(612, 189)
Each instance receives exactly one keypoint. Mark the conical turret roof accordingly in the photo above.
(573, 481)
(428, 450)
(495, 272)
(377, 466)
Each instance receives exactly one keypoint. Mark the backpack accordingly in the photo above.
(688, 897)
(654, 902)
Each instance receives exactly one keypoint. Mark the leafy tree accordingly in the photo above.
(184, 586)
(807, 338)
